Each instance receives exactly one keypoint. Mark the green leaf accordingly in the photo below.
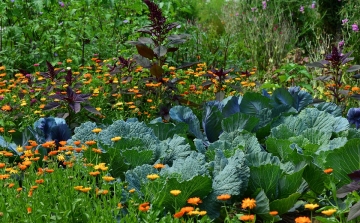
(239, 121)
(315, 177)
(252, 103)
(135, 157)
(281, 97)
(285, 204)
(344, 160)
(330, 108)
(167, 130)
(262, 204)
(211, 122)
(326, 219)
(290, 183)
(186, 115)
(265, 177)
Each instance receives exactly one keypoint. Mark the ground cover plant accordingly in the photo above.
(165, 115)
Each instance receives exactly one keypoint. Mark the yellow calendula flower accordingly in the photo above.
(175, 192)
(311, 206)
(132, 190)
(108, 178)
(152, 176)
(101, 166)
(329, 212)
(60, 157)
(96, 130)
(85, 190)
(20, 149)
(115, 139)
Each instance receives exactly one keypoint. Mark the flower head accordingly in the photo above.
(144, 207)
(108, 178)
(224, 197)
(152, 176)
(248, 203)
(96, 130)
(328, 171)
(311, 206)
(302, 220)
(344, 21)
(355, 27)
(273, 213)
(249, 217)
(194, 201)
(175, 192)
(302, 9)
(159, 166)
(329, 212)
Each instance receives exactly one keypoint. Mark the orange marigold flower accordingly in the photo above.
(159, 166)
(108, 178)
(96, 150)
(11, 185)
(224, 197)
(2, 165)
(90, 143)
(33, 143)
(53, 153)
(28, 147)
(78, 187)
(49, 170)
(22, 167)
(76, 143)
(273, 213)
(6, 108)
(28, 210)
(144, 207)
(85, 190)
(179, 214)
(249, 217)
(19, 189)
(8, 154)
(39, 181)
(328, 171)
(187, 209)
(194, 201)
(248, 203)
(4, 176)
(132, 190)
(63, 143)
(95, 173)
(302, 220)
